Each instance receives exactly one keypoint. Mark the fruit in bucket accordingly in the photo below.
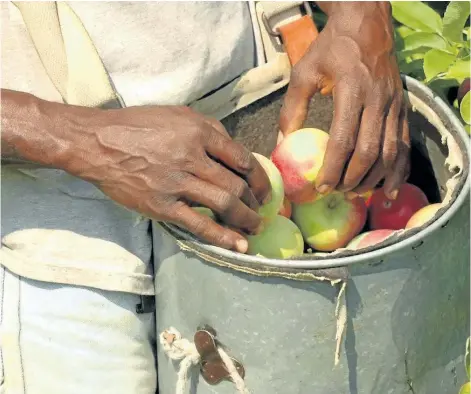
(299, 157)
(331, 221)
(271, 209)
(423, 215)
(286, 209)
(385, 213)
(369, 238)
(279, 239)
(463, 89)
(367, 196)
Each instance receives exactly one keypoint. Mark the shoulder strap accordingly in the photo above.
(74, 65)
(68, 54)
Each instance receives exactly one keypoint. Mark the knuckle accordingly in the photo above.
(296, 74)
(353, 86)
(389, 157)
(343, 144)
(303, 72)
(369, 152)
(390, 153)
(226, 202)
(198, 227)
(245, 161)
(241, 188)
(379, 99)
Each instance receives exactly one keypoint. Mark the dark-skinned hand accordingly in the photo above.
(353, 57)
(160, 160)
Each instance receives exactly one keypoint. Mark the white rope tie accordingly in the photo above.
(341, 315)
(178, 348)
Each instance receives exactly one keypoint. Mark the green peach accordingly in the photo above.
(280, 239)
(205, 211)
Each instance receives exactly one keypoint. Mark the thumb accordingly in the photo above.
(293, 113)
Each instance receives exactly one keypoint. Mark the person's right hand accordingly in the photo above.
(160, 160)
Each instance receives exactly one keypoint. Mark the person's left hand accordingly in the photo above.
(353, 57)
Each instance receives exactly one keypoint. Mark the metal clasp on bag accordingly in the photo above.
(275, 33)
(212, 367)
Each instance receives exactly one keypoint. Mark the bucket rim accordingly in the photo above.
(411, 241)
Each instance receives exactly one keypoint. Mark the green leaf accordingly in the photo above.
(464, 111)
(413, 67)
(454, 20)
(436, 62)
(409, 56)
(443, 84)
(417, 15)
(427, 40)
(459, 70)
(467, 127)
(404, 31)
(465, 389)
(441, 87)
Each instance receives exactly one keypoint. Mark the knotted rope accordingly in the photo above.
(178, 348)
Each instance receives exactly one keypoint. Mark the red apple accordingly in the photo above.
(367, 196)
(463, 89)
(369, 238)
(331, 221)
(423, 215)
(299, 157)
(385, 213)
(285, 209)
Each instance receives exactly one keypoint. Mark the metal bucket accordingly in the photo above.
(396, 314)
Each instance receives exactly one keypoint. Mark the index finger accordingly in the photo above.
(302, 86)
(242, 161)
(343, 135)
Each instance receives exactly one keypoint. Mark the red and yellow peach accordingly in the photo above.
(299, 157)
(331, 221)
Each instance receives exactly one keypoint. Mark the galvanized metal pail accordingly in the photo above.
(397, 314)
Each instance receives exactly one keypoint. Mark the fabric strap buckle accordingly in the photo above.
(275, 32)
(296, 36)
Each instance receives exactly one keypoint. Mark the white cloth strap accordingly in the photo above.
(75, 68)
(68, 54)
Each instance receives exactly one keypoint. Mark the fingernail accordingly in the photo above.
(242, 245)
(267, 198)
(393, 194)
(260, 228)
(324, 189)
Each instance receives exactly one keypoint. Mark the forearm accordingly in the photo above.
(38, 132)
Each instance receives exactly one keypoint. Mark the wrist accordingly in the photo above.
(41, 132)
(369, 24)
